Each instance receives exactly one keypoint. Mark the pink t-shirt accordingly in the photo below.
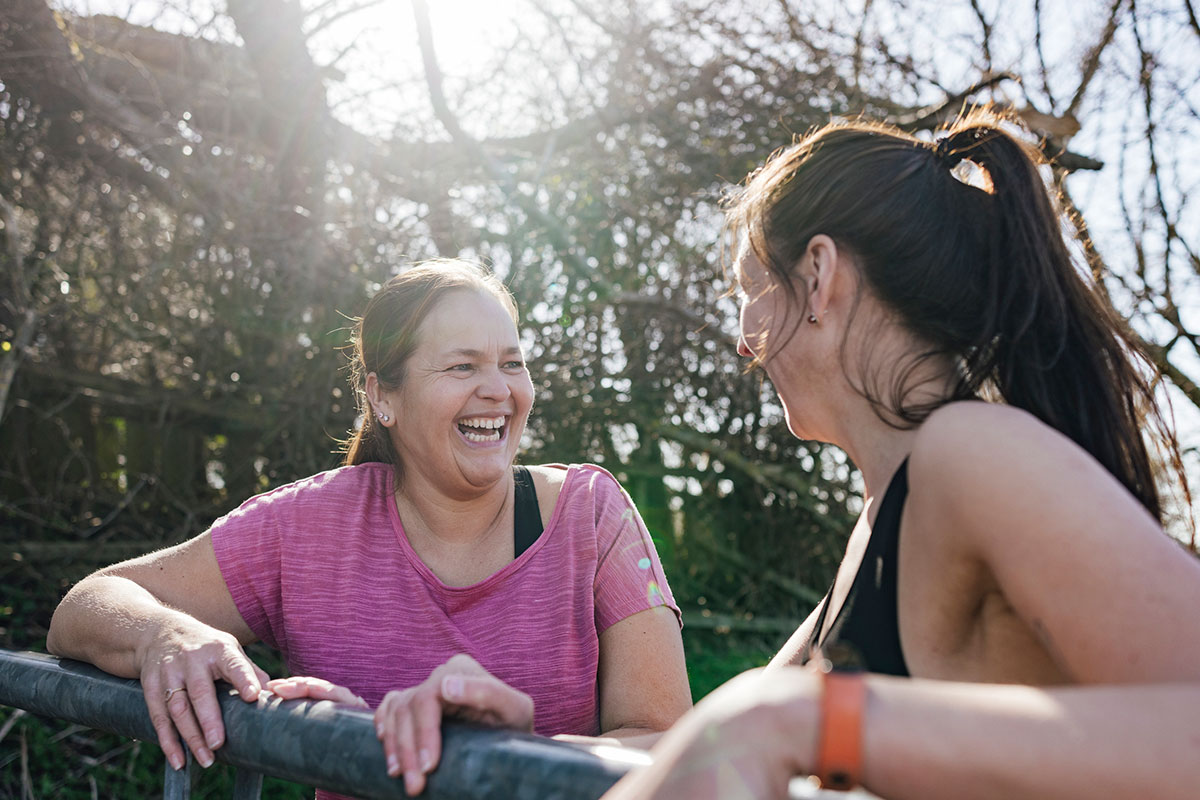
(322, 570)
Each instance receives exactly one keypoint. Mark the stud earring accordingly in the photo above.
(812, 319)
(384, 418)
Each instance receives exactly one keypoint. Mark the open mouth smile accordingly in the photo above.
(482, 430)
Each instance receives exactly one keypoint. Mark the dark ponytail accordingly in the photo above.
(981, 273)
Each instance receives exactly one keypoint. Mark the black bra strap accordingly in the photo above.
(527, 515)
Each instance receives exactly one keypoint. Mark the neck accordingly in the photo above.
(874, 446)
(877, 450)
(430, 515)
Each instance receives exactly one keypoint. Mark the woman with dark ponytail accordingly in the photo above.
(1009, 619)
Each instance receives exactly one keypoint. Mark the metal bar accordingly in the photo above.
(330, 746)
(247, 785)
(319, 743)
(177, 784)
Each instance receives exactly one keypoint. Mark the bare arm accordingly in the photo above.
(643, 680)
(168, 619)
(928, 740)
(1109, 595)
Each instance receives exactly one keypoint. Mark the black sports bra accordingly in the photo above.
(865, 634)
(527, 515)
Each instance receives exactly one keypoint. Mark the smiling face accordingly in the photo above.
(465, 398)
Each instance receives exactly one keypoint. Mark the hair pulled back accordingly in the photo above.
(980, 274)
(390, 330)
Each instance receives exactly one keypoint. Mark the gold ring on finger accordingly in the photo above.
(170, 692)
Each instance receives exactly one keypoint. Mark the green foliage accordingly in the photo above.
(713, 658)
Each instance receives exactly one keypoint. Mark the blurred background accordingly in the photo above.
(198, 197)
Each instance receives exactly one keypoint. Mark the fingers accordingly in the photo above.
(179, 707)
(489, 700)
(408, 724)
(426, 713)
(201, 695)
(261, 674)
(315, 689)
(243, 673)
(168, 739)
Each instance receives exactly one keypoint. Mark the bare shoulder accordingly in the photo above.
(963, 443)
(1064, 545)
(548, 480)
(974, 462)
(971, 425)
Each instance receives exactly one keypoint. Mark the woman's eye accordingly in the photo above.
(462, 367)
(514, 365)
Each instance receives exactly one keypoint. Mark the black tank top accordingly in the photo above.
(866, 632)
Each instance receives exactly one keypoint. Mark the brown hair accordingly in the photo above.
(389, 331)
(982, 275)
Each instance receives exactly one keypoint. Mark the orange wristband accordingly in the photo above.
(839, 753)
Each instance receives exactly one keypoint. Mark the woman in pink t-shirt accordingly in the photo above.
(413, 579)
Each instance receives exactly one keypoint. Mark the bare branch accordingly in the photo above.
(986, 41)
(554, 228)
(1091, 62)
(1043, 71)
(1191, 12)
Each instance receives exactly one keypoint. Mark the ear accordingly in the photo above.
(379, 400)
(824, 275)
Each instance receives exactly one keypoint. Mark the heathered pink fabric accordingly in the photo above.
(321, 569)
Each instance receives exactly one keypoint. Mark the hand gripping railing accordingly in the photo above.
(332, 747)
(315, 743)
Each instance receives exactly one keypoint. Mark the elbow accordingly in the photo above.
(55, 644)
(58, 638)
(53, 640)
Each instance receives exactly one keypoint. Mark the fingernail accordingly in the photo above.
(177, 762)
(379, 729)
(426, 760)
(412, 782)
(452, 688)
(393, 766)
(205, 758)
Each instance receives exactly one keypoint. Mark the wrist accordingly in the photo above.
(160, 627)
(839, 755)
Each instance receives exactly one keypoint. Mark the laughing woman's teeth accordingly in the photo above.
(482, 429)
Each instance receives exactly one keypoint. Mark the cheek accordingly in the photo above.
(522, 390)
(752, 326)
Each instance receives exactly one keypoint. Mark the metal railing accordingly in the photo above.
(328, 746)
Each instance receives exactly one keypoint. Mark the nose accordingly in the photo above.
(493, 385)
(743, 349)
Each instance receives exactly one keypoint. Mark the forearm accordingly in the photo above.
(927, 740)
(106, 620)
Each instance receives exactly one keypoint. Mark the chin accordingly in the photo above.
(483, 473)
